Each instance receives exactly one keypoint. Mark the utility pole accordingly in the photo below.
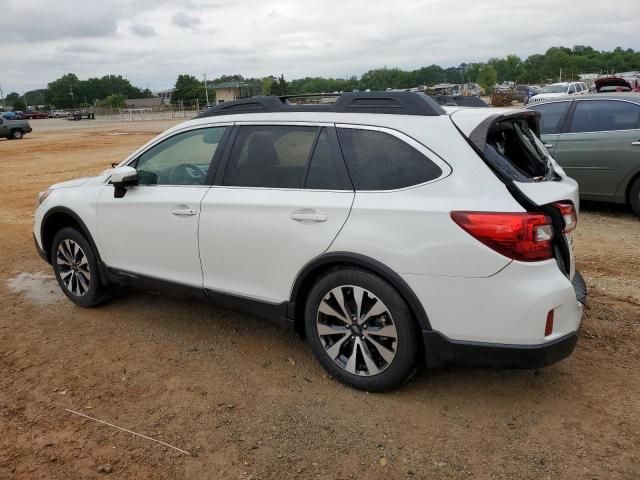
(72, 99)
(1, 97)
(206, 90)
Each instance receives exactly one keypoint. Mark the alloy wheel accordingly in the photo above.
(357, 330)
(73, 267)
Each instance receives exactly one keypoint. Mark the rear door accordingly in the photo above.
(279, 200)
(4, 130)
(552, 119)
(599, 148)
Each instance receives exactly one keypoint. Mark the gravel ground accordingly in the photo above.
(247, 400)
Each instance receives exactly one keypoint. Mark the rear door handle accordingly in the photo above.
(308, 216)
(183, 212)
(548, 145)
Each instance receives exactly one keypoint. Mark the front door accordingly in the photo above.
(599, 150)
(153, 229)
(281, 200)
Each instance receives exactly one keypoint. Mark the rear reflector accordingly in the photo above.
(548, 328)
(522, 236)
(568, 212)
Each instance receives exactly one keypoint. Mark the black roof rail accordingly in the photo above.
(399, 103)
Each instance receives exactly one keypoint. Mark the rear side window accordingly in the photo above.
(273, 156)
(380, 161)
(604, 115)
(551, 116)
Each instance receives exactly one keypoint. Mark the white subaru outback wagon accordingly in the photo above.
(388, 231)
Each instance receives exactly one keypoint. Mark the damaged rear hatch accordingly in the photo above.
(508, 141)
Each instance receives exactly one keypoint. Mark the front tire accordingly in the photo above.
(76, 269)
(361, 330)
(634, 196)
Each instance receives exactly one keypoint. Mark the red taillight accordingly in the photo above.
(568, 212)
(548, 328)
(522, 236)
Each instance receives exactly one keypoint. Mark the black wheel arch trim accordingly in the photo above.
(326, 260)
(76, 218)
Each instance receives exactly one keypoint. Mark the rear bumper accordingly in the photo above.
(441, 351)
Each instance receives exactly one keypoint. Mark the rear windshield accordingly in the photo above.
(514, 149)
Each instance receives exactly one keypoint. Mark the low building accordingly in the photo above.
(228, 91)
(165, 95)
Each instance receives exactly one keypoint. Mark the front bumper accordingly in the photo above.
(41, 252)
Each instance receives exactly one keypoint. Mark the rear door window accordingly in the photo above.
(604, 115)
(377, 160)
(551, 116)
(270, 156)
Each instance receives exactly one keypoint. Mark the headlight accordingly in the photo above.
(42, 196)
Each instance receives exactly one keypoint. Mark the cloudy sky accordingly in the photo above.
(152, 41)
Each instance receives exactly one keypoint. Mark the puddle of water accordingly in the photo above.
(40, 288)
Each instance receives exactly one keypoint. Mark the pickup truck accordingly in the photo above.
(13, 129)
(31, 115)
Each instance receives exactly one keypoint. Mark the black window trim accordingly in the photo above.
(333, 139)
(445, 168)
(563, 123)
(132, 161)
(569, 119)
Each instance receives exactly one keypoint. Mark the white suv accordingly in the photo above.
(388, 231)
(559, 90)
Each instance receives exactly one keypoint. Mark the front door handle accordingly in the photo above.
(635, 143)
(308, 215)
(183, 212)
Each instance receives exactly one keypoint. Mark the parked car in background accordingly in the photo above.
(387, 230)
(11, 116)
(57, 114)
(560, 89)
(12, 127)
(615, 84)
(523, 93)
(34, 114)
(596, 139)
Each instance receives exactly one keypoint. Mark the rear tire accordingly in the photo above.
(17, 134)
(375, 344)
(76, 269)
(634, 196)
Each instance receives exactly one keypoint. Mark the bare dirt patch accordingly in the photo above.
(220, 385)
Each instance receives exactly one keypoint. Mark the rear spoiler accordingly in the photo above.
(478, 135)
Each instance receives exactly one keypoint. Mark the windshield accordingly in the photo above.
(555, 89)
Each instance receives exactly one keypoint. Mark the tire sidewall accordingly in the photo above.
(92, 297)
(17, 134)
(402, 366)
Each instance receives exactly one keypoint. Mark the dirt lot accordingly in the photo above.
(247, 400)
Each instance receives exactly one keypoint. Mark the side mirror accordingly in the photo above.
(121, 178)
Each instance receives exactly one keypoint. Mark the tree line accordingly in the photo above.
(68, 91)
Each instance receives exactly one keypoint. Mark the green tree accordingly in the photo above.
(116, 100)
(59, 91)
(266, 85)
(487, 77)
(20, 104)
(188, 89)
(280, 86)
(11, 98)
